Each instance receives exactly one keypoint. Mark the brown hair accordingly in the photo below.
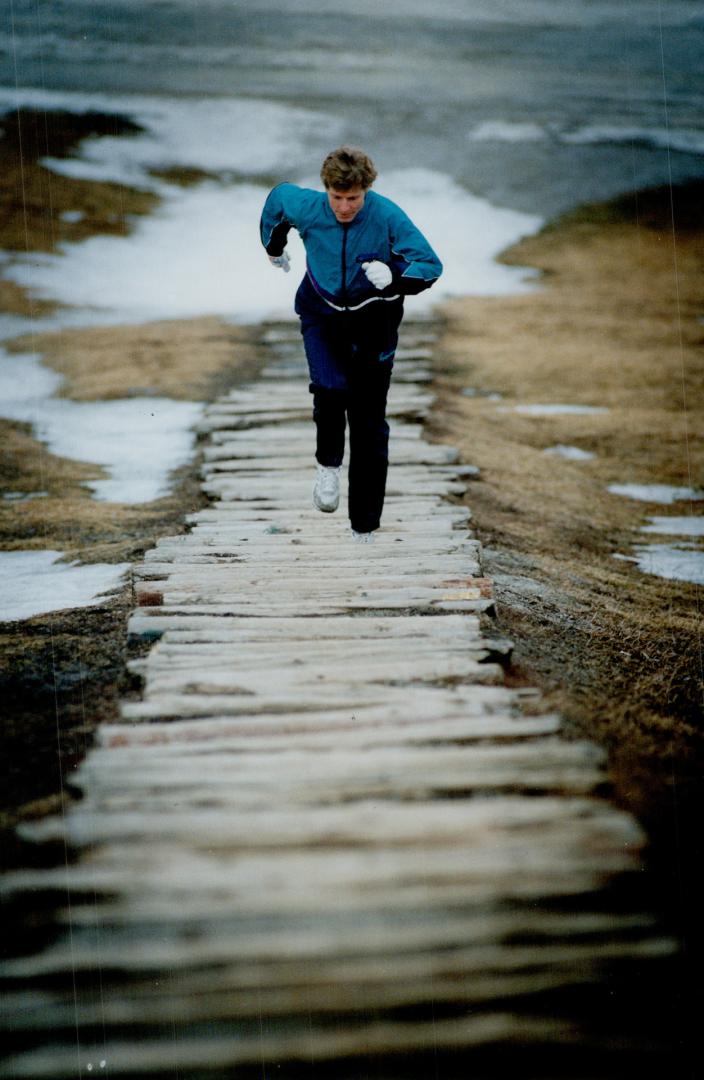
(346, 168)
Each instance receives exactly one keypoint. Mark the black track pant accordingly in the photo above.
(350, 359)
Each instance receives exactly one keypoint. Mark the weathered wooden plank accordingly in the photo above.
(275, 516)
(467, 701)
(319, 628)
(397, 512)
(299, 628)
(225, 420)
(360, 825)
(277, 565)
(359, 986)
(462, 699)
(431, 530)
(249, 579)
(252, 734)
(330, 883)
(287, 390)
(297, 453)
(188, 602)
(320, 1046)
(435, 711)
(198, 676)
(326, 653)
(332, 777)
(232, 488)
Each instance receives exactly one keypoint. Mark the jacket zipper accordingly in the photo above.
(345, 227)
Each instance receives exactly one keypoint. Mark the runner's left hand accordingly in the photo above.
(378, 273)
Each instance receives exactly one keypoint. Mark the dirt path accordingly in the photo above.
(327, 832)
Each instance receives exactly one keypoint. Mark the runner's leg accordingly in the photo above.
(327, 350)
(374, 341)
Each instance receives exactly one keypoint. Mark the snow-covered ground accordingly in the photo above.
(34, 583)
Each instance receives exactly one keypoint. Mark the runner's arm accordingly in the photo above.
(414, 264)
(283, 210)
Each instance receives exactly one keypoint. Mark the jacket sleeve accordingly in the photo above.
(281, 212)
(414, 264)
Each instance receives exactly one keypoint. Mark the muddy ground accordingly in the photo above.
(616, 322)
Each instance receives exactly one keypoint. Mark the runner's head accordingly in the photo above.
(347, 174)
(346, 168)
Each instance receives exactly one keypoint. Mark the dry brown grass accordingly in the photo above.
(34, 199)
(616, 322)
(180, 358)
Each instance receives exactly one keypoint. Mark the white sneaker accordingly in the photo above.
(362, 538)
(326, 490)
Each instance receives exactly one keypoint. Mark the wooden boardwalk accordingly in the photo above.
(327, 840)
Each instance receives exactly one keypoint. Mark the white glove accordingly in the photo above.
(378, 273)
(282, 261)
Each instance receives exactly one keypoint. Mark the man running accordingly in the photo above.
(363, 256)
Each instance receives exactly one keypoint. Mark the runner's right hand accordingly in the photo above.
(282, 261)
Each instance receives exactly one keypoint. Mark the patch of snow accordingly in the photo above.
(138, 441)
(72, 216)
(34, 583)
(684, 562)
(24, 496)
(559, 410)
(199, 254)
(675, 526)
(570, 453)
(488, 395)
(656, 493)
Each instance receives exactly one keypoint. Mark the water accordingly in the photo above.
(534, 105)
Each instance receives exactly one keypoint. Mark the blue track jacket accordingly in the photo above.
(335, 252)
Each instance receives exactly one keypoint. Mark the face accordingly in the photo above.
(346, 205)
